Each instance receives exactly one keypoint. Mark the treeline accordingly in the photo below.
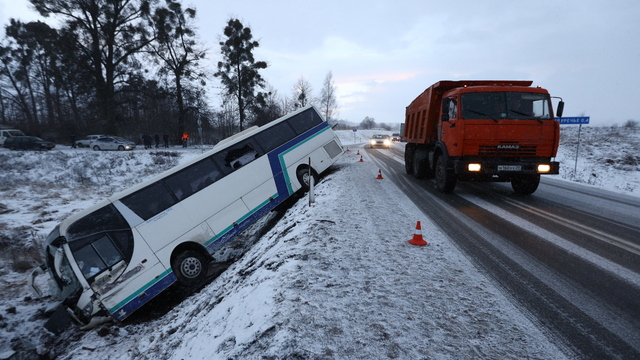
(129, 67)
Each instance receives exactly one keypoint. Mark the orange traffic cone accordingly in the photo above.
(361, 159)
(417, 237)
(379, 174)
(348, 149)
(358, 152)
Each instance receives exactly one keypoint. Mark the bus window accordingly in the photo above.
(193, 178)
(275, 136)
(97, 256)
(103, 219)
(304, 121)
(239, 155)
(149, 201)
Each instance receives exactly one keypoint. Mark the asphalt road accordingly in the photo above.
(568, 255)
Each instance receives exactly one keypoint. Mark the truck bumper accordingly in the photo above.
(503, 169)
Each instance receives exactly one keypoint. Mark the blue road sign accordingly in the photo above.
(576, 120)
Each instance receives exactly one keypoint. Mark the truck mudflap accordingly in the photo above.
(503, 170)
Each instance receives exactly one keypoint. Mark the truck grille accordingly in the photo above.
(493, 150)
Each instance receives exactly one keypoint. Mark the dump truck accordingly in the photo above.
(482, 130)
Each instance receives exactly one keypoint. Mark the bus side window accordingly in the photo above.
(149, 201)
(239, 155)
(275, 136)
(304, 121)
(193, 178)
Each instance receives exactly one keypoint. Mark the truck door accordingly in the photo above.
(450, 132)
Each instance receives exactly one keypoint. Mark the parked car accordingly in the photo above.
(395, 137)
(86, 141)
(380, 140)
(7, 133)
(28, 143)
(112, 143)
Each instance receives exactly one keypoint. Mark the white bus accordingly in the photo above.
(115, 256)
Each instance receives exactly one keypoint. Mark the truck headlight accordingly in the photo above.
(474, 167)
(544, 168)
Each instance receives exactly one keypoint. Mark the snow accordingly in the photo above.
(332, 280)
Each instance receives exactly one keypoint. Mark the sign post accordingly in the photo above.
(576, 120)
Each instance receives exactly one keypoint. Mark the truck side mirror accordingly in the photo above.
(445, 105)
(445, 117)
(560, 109)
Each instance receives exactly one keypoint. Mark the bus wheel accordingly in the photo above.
(304, 177)
(445, 180)
(525, 185)
(190, 267)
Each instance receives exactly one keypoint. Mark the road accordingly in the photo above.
(568, 255)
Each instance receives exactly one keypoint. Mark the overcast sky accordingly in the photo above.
(384, 53)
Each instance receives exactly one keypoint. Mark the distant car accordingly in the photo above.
(7, 133)
(380, 140)
(395, 137)
(28, 143)
(112, 143)
(86, 141)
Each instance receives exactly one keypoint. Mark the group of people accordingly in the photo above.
(148, 141)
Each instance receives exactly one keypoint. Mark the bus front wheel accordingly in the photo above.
(191, 268)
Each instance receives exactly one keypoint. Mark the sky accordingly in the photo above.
(382, 54)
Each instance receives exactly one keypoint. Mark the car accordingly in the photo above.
(111, 143)
(28, 143)
(380, 140)
(7, 133)
(395, 137)
(86, 141)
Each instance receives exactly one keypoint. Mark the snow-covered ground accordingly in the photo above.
(333, 280)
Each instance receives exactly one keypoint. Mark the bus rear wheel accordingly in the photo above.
(191, 268)
(304, 177)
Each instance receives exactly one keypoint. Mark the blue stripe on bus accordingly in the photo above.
(283, 186)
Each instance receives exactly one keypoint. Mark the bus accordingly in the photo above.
(110, 259)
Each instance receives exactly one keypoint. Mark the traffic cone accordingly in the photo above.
(417, 237)
(358, 152)
(361, 159)
(379, 174)
(348, 149)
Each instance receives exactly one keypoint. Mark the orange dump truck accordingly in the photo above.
(482, 131)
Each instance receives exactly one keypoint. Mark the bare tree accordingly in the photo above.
(328, 103)
(301, 94)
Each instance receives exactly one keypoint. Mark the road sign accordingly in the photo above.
(576, 120)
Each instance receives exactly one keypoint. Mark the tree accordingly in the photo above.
(109, 33)
(176, 49)
(328, 103)
(301, 93)
(368, 123)
(238, 71)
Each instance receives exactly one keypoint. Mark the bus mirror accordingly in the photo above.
(560, 109)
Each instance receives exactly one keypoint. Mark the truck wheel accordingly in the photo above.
(303, 177)
(421, 166)
(190, 267)
(525, 185)
(409, 150)
(445, 180)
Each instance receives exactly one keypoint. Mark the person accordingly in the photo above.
(165, 137)
(185, 140)
(146, 138)
(156, 138)
(72, 136)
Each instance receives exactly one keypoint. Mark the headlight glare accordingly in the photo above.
(474, 167)
(543, 168)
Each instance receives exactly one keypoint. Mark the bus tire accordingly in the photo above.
(525, 185)
(445, 179)
(190, 267)
(303, 177)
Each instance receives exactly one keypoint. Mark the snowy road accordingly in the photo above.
(568, 254)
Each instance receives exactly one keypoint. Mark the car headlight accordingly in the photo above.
(373, 142)
(387, 142)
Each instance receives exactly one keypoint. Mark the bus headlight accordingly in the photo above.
(544, 168)
(474, 167)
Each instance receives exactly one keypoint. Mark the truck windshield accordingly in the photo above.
(506, 105)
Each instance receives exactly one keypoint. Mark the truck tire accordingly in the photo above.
(421, 166)
(445, 179)
(409, 150)
(525, 185)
